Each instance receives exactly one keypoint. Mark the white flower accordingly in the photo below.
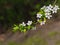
(47, 10)
(23, 24)
(39, 15)
(42, 23)
(54, 10)
(57, 7)
(48, 16)
(47, 13)
(50, 6)
(29, 23)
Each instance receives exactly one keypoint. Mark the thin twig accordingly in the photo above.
(54, 2)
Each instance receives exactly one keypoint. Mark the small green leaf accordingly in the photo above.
(29, 27)
(15, 29)
(24, 30)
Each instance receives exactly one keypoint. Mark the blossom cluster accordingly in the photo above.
(28, 23)
(23, 26)
(45, 12)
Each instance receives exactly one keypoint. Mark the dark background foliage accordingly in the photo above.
(17, 11)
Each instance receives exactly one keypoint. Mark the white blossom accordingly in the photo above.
(48, 16)
(50, 6)
(47, 13)
(23, 24)
(39, 15)
(47, 10)
(29, 23)
(54, 11)
(42, 22)
(55, 8)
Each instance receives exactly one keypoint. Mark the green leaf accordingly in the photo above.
(24, 30)
(15, 28)
(29, 27)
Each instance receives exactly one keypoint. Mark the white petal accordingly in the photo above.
(42, 23)
(39, 15)
(48, 16)
(29, 23)
(46, 10)
(50, 6)
(47, 13)
(23, 24)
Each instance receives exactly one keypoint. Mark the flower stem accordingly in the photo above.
(54, 2)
